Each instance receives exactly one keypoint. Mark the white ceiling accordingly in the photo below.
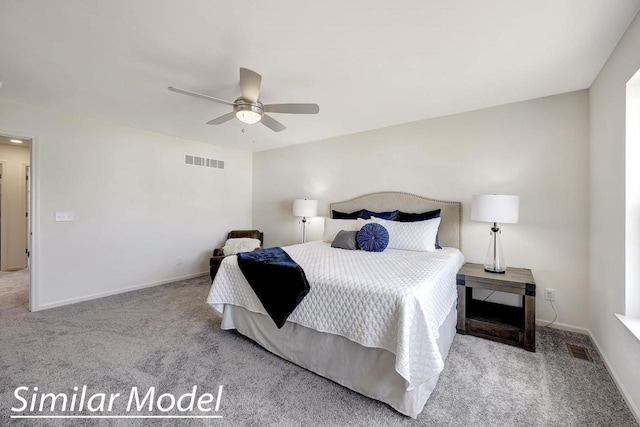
(368, 64)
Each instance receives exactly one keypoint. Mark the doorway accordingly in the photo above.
(15, 223)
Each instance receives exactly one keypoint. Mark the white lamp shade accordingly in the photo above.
(305, 208)
(495, 208)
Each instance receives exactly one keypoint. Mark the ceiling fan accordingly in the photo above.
(248, 108)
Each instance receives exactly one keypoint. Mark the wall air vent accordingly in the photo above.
(578, 352)
(203, 161)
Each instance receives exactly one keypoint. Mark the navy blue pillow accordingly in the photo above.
(389, 216)
(344, 215)
(373, 238)
(422, 216)
(366, 214)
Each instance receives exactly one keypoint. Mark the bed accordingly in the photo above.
(380, 324)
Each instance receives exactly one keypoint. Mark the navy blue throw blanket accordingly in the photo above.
(278, 281)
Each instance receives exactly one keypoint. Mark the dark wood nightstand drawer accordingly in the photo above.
(505, 333)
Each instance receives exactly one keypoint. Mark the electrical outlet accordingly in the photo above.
(179, 260)
(549, 294)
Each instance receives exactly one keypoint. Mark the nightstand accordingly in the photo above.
(498, 322)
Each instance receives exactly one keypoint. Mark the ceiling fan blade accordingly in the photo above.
(292, 108)
(199, 95)
(272, 123)
(222, 119)
(250, 84)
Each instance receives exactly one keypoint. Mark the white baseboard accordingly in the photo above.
(563, 327)
(118, 291)
(623, 391)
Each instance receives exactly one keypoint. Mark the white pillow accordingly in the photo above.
(240, 244)
(333, 226)
(362, 222)
(412, 236)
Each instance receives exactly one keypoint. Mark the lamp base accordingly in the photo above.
(494, 262)
(304, 229)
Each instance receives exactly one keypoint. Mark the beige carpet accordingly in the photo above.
(168, 337)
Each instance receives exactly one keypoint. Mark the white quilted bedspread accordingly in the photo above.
(395, 300)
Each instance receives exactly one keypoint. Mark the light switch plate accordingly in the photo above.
(64, 216)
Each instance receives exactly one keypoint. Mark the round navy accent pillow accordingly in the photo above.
(373, 238)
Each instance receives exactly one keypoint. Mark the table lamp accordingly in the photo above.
(496, 209)
(305, 208)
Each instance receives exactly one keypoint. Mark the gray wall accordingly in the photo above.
(537, 149)
(608, 233)
(137, 206)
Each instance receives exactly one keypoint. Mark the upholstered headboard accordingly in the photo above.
(449, 233)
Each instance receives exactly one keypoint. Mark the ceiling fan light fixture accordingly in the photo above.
(248, 117)
(248, 112)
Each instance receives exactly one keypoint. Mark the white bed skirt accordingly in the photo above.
(368, 371)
